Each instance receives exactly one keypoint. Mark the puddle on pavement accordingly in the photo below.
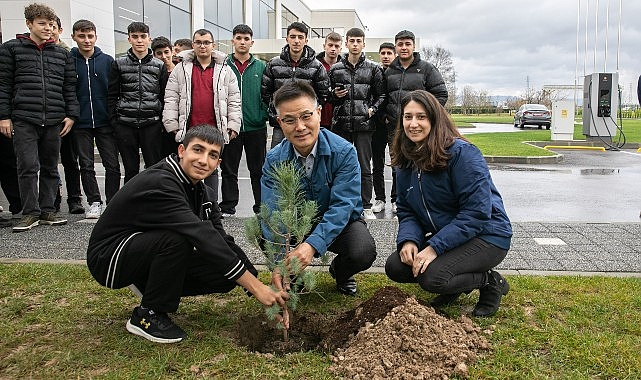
(599, 171)
(505, 168)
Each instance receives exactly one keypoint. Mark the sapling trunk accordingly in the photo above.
(286, 220)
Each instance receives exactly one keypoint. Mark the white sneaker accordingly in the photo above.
(95, 210)
(1, 209)
(368, 214)
(394, 207)
(378, 206)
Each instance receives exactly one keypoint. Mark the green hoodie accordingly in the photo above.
(254, 110)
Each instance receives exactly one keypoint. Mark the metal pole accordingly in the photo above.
(576, 54)
(619, 33)
(585, 49)
(596, 33)
(607, 29)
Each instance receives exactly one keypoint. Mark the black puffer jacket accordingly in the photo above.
(419, 75)
(280, 69)
(366, 90)
(37, 83)
(137, 89)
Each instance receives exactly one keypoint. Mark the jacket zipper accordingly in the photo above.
(93, 122)
(139, 91)
(420, 190)
(44, 90)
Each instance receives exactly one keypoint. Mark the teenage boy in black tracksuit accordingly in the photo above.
(162, 233)
(136, 94)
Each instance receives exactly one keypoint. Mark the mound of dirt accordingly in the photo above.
(374, 309)
(411, 342)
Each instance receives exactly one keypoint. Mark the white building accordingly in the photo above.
(176, 19)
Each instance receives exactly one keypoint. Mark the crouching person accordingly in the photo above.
(452, 225)
(162, 233)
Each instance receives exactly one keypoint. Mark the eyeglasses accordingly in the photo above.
(292, 121)
(203, 43)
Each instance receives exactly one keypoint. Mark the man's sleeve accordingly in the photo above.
(7, 71)
(72, 107)
(267, 84)
(234, 110)
(378, 89)
(172, 102)
(435, 85)
(114, 90)
(321, 84)
(164, 76)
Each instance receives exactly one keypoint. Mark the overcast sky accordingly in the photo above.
(498, 44)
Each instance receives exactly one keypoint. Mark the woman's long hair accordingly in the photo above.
(429, 154)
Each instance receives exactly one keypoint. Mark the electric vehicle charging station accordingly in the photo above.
(600, 105)
(562, 120)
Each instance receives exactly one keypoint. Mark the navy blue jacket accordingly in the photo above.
(92, 88)
(454, 205)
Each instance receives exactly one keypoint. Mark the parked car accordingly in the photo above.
(533, 114)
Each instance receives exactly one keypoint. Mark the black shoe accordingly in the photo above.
(444, 300)
(156, 327)
(347, 287)
(76, 208)
(51, 219)
(6, 222)
(26, 223)
(491, 295)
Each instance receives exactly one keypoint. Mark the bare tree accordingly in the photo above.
(442, 59)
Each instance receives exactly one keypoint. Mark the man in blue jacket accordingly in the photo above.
(92, 68)
(332, 179)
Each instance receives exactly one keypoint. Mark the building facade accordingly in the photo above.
(177, 19)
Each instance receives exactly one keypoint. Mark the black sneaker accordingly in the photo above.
(50, 219)
(26, 223)
(156, 327)
(347, 287)
(75, 207)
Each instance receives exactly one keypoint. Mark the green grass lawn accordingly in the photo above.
(58, 323)
(511, 144)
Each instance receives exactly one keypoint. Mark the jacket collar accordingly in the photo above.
(174, 164)
(189, 56)
(145, 59)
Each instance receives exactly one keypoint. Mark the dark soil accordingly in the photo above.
(391, 335)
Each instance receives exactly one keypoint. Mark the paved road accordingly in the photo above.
(579, 215)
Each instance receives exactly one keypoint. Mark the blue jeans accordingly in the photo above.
(460, 270)
(105, 139)
(37, 149)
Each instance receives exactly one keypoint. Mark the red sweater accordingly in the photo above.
(202, 95)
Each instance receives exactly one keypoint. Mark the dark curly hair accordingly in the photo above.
(35, 10)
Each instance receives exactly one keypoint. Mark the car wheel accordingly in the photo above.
(539, 127)
(547, 127)
(521, 124)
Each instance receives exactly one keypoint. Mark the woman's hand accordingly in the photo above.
(422, 260)
(407, 252)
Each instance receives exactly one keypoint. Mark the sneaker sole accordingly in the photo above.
(26, 228)
(140, 332)
(48, 223)
(92, 216)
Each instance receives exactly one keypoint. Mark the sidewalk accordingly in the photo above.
(612, 249)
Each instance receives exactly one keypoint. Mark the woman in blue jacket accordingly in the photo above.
(453, 228)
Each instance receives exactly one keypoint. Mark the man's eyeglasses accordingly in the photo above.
(203, 43)
(292, 121)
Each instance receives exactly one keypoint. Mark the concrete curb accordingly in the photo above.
(323, 268)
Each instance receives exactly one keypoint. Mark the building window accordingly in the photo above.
(168, 18)
(320, 32)
(262, 18)
(287, 17)
(220, 18)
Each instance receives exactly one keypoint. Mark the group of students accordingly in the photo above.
(162, 231)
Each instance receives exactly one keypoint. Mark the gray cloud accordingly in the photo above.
(498, 44)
